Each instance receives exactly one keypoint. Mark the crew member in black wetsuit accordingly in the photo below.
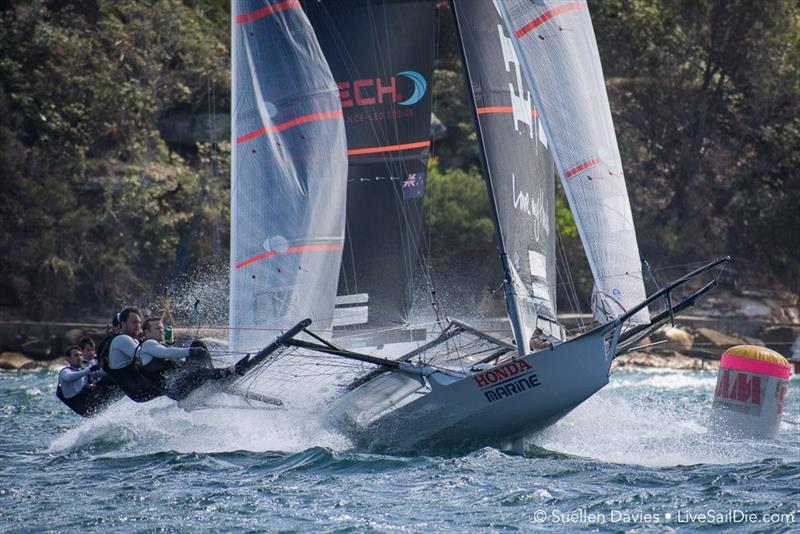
(162, 365)
(122, 364)
(74, 388)
(156, 360)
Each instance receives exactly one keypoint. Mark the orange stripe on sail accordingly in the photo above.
(544, 17)
(290, 250)
(267, 10)
(583, 166)
(290, 124)
(495, 109)
(388, 148)
(501, 109)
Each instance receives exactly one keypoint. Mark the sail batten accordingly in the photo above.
(547, 15)
(388, 148)
(556, 43)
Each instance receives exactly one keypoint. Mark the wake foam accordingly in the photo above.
(129, 429)
(656, 419)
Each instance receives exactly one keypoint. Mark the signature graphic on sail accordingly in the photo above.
(533, 206)
(379, 91)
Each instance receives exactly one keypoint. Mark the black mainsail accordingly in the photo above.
(381, 54)
(518, 168)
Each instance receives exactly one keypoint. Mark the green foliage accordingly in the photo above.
(457, 209)
(96, 203)
(706, 97)
(97, 209)
(567, 229)
(460, 148)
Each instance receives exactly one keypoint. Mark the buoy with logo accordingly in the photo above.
(751, 387)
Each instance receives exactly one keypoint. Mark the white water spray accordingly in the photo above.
(659, 419)
(160, 425)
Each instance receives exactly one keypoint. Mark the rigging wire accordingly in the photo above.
(415, 249)
(568, 280)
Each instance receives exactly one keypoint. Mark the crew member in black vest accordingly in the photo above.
(156, 360)
(74, 388)
(162, 365)
(105, 389)
(105, 345)
(122, 364)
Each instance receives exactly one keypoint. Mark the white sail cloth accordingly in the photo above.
(557, 45)
(288, 178)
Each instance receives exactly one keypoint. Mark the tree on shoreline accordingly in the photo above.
(100, 209)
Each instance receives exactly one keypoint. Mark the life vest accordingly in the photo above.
(130, 378)
(93, 398)
(81, 403)
(159, 372)
(104, 349)
(135, 384)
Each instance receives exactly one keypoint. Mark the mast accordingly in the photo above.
(517, 168)
(501, 247)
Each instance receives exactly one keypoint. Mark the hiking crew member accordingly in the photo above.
(157, 360)
(121, 359)
(161, 365)
(153, 355)
(105, 345)
(73, 387)
(86, 345)
(106, 389)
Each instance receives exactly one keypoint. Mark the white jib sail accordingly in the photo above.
(556, 43)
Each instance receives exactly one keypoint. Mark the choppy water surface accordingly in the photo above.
(636, 457)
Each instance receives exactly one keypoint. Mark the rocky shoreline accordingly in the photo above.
(726, 319)
(14, 361)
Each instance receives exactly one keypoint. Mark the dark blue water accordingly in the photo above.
(637, 457)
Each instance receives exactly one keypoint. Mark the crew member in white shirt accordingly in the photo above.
(122, 364)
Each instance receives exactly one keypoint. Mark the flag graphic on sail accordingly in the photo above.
(519, 168)
(556, 43)
(289, 175)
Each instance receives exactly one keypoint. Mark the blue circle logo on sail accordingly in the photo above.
(420, 86)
